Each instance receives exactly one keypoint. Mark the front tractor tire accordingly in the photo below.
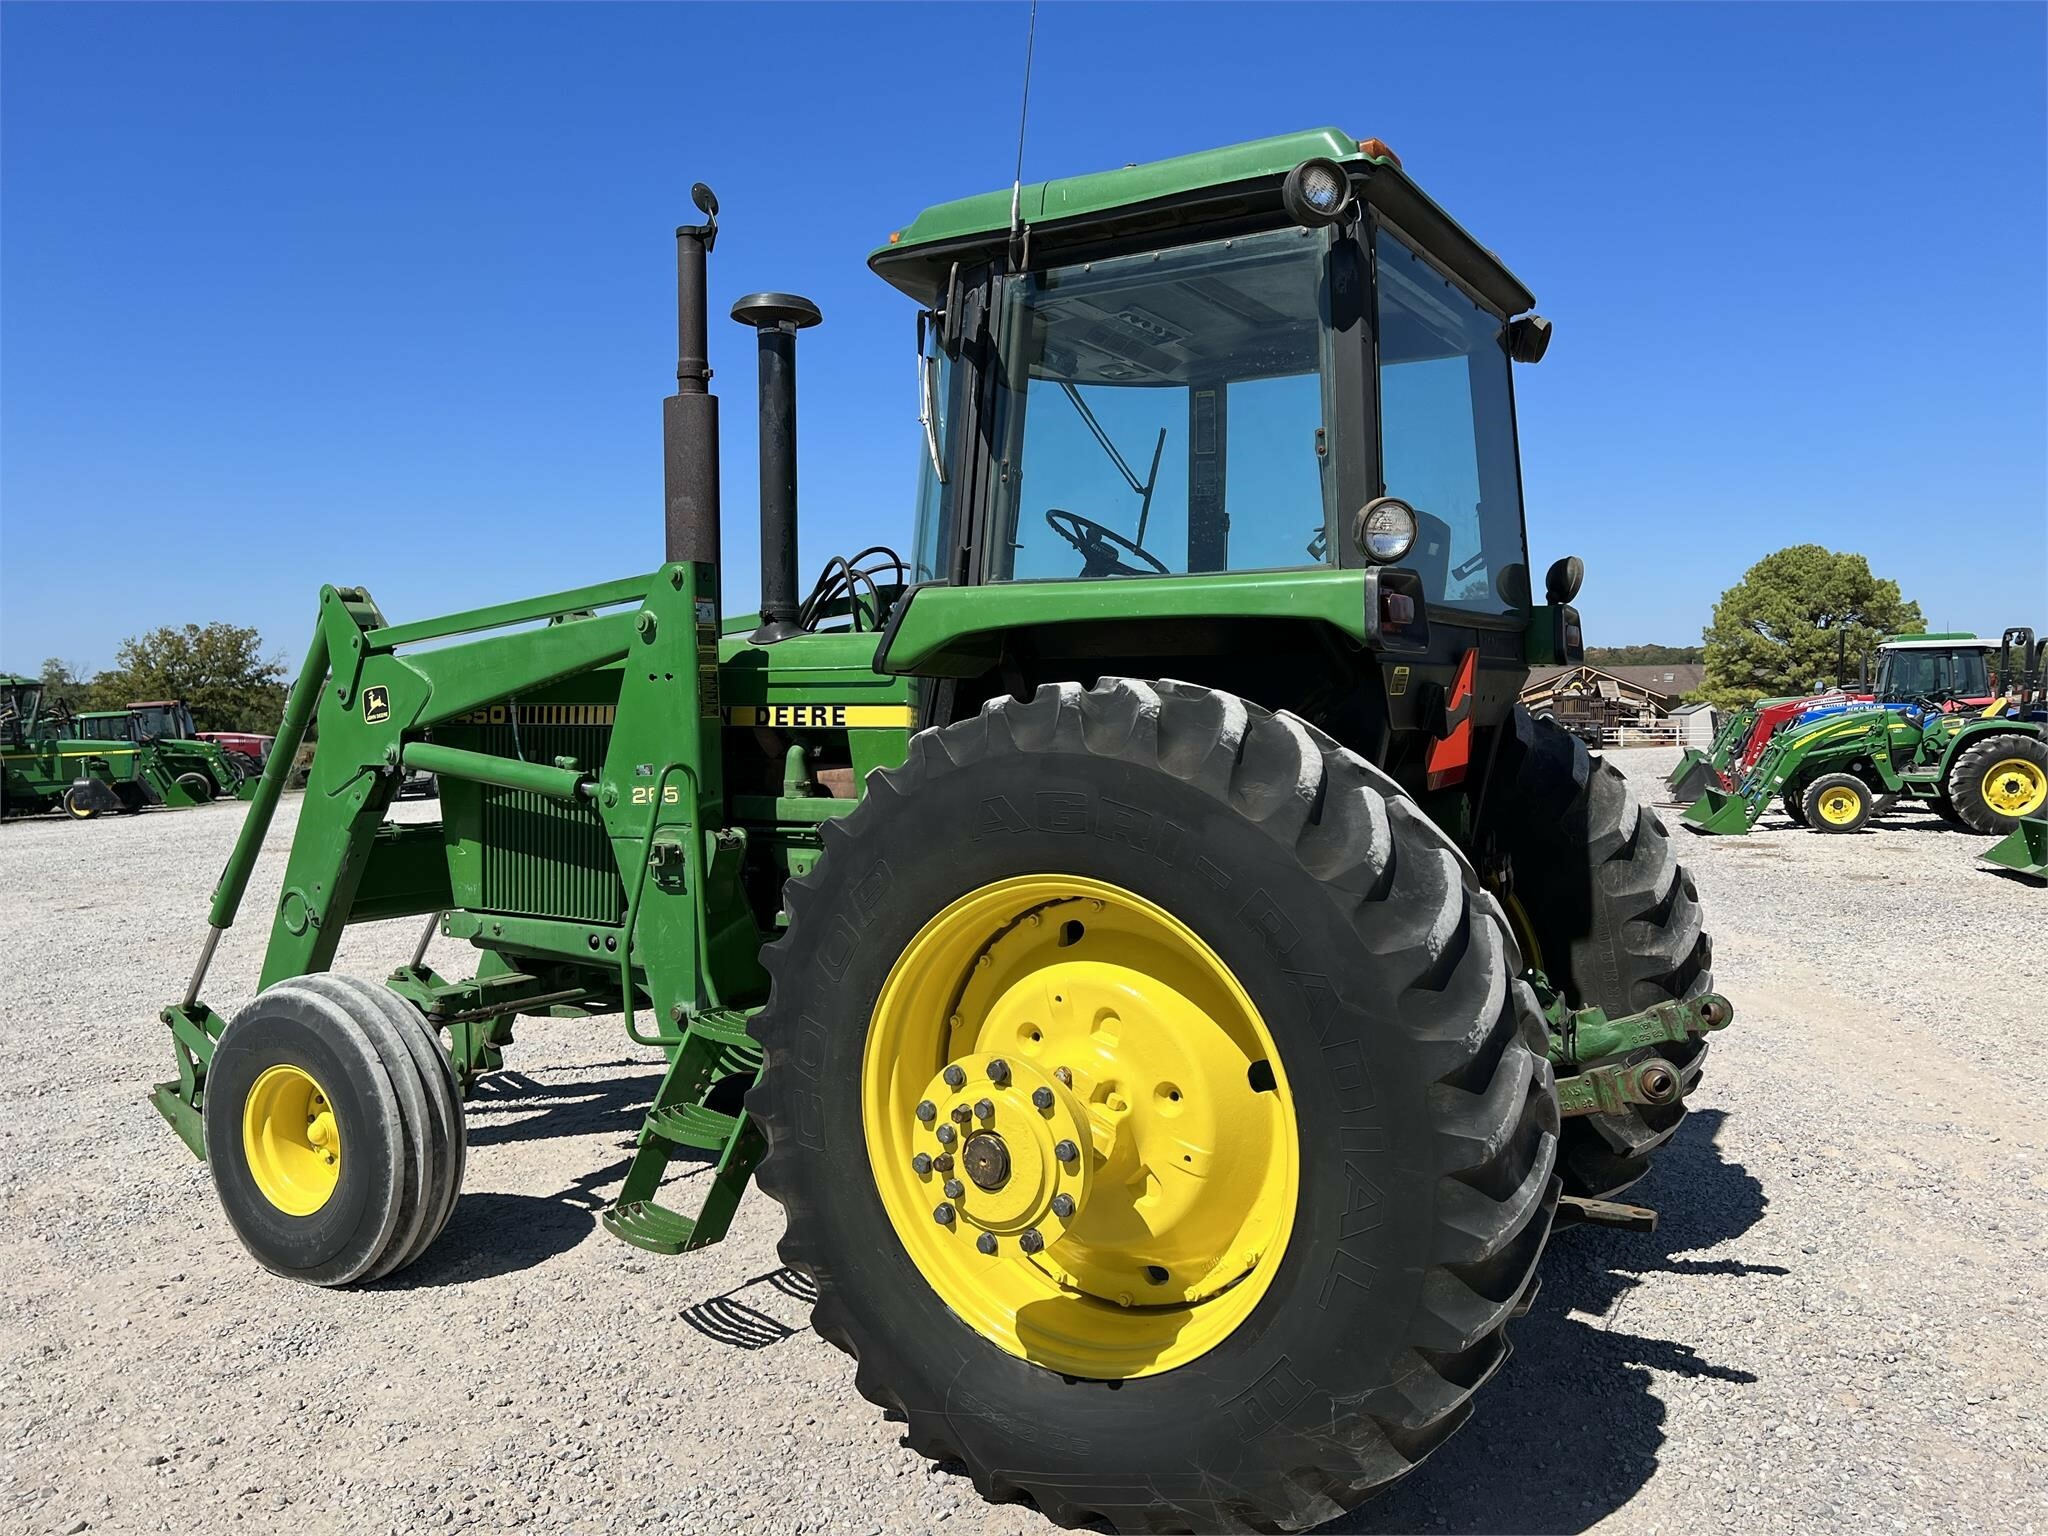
(1154, 1109)
(334, 1130)
(1609, 915)
(1838, 802)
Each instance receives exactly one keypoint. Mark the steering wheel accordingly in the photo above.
(1099, 545)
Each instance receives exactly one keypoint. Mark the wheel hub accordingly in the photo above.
(1100, 1175)
(1017, 1181)
(2015, 787)
(987, 1160)
(291, 1140)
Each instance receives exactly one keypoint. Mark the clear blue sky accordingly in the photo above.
(383, 294)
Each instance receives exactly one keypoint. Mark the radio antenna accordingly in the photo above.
(1023, 116)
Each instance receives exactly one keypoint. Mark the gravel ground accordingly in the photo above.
(1838, 1325)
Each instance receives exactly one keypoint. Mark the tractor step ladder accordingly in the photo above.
(715, 1045)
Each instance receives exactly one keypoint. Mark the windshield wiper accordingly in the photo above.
(927, 363)
(1142, 489)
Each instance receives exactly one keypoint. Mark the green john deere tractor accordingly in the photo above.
(174, 778)
(1134, 933)
(1983, 767)
(46, 764)
(168, 725)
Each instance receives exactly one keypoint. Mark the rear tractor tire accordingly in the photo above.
(1838, 802)
(333, 1130)
(1998, 781)
(1174, 1146)
(1609, 915)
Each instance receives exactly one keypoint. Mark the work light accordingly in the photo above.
(1316, 192)
(1386, 529)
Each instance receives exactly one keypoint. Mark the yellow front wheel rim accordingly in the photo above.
(1080, 1127)
(1839, 806)
(291, 1140)
(2016, 787)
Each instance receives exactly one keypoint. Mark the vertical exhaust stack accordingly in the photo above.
(776, 318)
(689, 417)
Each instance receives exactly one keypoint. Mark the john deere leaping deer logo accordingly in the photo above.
(376, 705)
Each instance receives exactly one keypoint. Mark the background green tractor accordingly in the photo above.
(44, 766)
(1135, 933)
(168, 725)
(171, 778)
(1984, 769)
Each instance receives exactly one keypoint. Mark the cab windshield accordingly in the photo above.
(156, 720)
(18, 706)
(100, 727)
(1447, 432)
(1165, 412)
(1924, 673)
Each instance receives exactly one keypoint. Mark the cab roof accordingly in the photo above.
(918, 257)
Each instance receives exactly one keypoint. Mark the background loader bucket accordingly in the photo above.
(1693, 777)
(1719, 811)
(2025, 849)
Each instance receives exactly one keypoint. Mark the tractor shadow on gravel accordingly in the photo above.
(494, 1234)
(1578, 1378)
(511, 1106)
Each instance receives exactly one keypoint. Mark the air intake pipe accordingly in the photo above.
(776, 318)
(689, 417)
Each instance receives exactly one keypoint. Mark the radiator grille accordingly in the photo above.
(544, 857)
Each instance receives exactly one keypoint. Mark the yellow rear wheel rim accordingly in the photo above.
(291, 1140)
(2016, 787)
(1840, 805)
(1079, 1127)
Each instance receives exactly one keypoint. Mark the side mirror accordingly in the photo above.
(1562, 581)
(1528, 338)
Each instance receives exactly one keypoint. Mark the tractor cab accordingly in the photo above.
(21, 701)
(1938, 667)
(106, 725)
(1254, 402)
(163, 719)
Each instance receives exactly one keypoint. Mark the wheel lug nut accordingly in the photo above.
(954, 1076)
(1066, 1151)
(922, 1163)
(986, 1242)
(984, 1109)
(955, 1189)
(1042, 1096)
(943, 1162)
(1030, 1241)
(999, 1071)
(947, 1135)
(1065, 1075)
(1063, 1206)
(962, 1114)
(927, 1111)
(942, 1213)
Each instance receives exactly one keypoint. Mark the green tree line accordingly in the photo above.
(1643, 655)
(218, 669)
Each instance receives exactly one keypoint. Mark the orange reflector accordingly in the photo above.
(895, 235)
(1451, 754)
(1378, 150)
